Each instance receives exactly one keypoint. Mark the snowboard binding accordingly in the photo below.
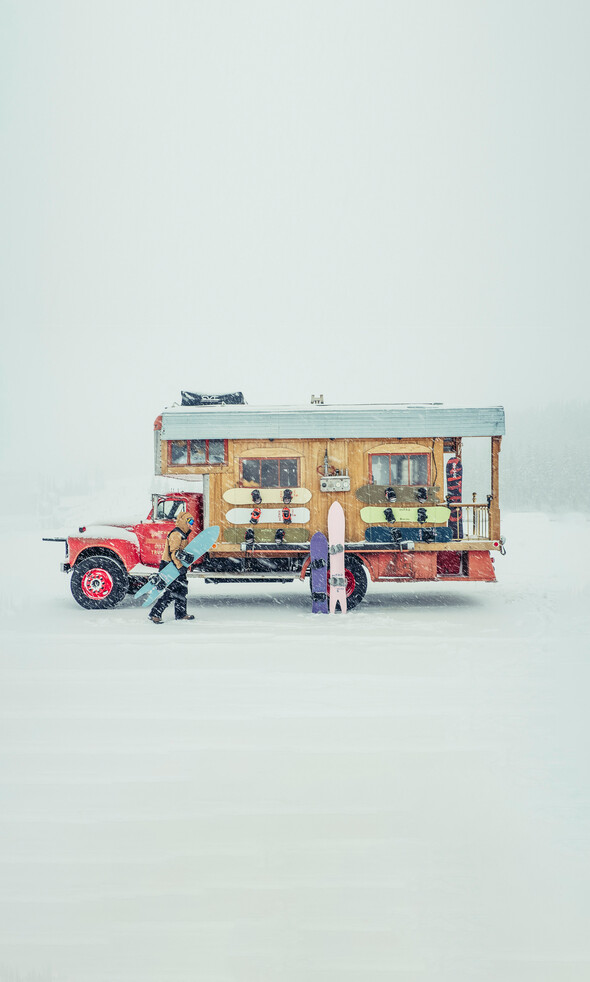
(157, 581)
(337, 581)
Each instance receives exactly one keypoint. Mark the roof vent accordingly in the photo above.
(317, 400)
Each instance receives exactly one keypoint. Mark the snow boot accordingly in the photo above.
(155, 619)
(187, 617)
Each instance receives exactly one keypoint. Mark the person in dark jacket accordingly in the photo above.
(178, 589)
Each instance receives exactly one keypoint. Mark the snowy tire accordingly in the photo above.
(356, 581)
(98, 583)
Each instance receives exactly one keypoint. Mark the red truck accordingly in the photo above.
(396, 469)
(108, 561)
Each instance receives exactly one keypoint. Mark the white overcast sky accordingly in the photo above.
(377, 200)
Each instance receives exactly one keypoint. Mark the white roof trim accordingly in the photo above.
(323, 422)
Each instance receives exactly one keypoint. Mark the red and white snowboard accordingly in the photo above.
(261, 516)
(454, 491)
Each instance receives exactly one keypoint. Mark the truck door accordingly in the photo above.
(152, 533)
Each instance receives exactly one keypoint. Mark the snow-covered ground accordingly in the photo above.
(264, 795)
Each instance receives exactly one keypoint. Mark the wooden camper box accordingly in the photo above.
(237, 449)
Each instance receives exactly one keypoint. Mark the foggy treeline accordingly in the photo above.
(545, 459)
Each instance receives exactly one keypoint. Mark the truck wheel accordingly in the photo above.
(356, 581)
(98, 582)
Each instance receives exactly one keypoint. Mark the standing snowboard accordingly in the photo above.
(319, 573)
(336, 550)
(156, 585)
(454, 492)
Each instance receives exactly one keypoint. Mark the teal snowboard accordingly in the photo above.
(193, 551)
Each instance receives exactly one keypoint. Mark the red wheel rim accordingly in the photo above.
(350, 583)
(96, 584)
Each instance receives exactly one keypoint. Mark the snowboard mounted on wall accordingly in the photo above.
(256, 516)
(267, 496)
(159, 582)
(376, 494)
(288, 534)
(432, 514)
(405, 537)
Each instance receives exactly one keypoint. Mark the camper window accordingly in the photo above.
(179, 452)
(409, 469)
(216, 451)
(270, 472)
(187, 452)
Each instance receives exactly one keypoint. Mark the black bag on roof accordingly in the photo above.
(200, 399)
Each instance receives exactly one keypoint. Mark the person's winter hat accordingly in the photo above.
(185, 521)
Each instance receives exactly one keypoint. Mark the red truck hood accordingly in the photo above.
(104, 531)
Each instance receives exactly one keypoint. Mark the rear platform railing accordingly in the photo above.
(475, 519)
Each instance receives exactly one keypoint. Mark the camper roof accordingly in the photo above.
(324, 421)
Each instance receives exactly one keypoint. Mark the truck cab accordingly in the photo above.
(107, 561)
(152, 532)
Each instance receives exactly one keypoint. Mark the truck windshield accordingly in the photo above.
(167, 510)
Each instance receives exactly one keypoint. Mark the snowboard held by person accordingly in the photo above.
(178, 589)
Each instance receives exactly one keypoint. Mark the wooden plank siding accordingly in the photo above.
(495, 476)
(343, 454)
